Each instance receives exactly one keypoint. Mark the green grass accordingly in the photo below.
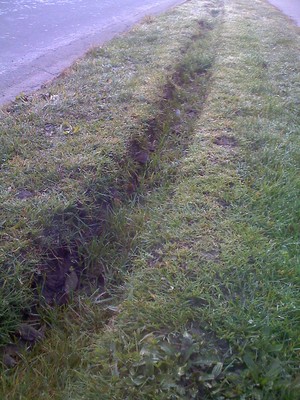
(202, 260)
(68, 154)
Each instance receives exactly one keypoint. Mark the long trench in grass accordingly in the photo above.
(168, 134)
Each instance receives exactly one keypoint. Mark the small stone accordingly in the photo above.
(12, 350)
(142, 157)
(9, 361)
(24, 194)
(29, 334)
(71, 282)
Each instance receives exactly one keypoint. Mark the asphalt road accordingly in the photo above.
(289, 7)
(40, 38)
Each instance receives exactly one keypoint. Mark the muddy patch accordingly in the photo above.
(24, 194)
(227, 141)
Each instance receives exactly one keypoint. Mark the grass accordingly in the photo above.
(201, 259)
(69, 153)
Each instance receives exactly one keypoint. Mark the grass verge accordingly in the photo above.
(207, 251)
(74, 151)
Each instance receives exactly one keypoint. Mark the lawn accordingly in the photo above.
(153, 193)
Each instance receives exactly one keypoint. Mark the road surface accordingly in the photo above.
(40, 38)
(289, 7)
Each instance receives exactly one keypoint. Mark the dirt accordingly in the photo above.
(225, 141)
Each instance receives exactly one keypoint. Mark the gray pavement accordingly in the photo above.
(40, 38)
(289, 7)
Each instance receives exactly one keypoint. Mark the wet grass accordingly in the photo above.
(201, 260)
